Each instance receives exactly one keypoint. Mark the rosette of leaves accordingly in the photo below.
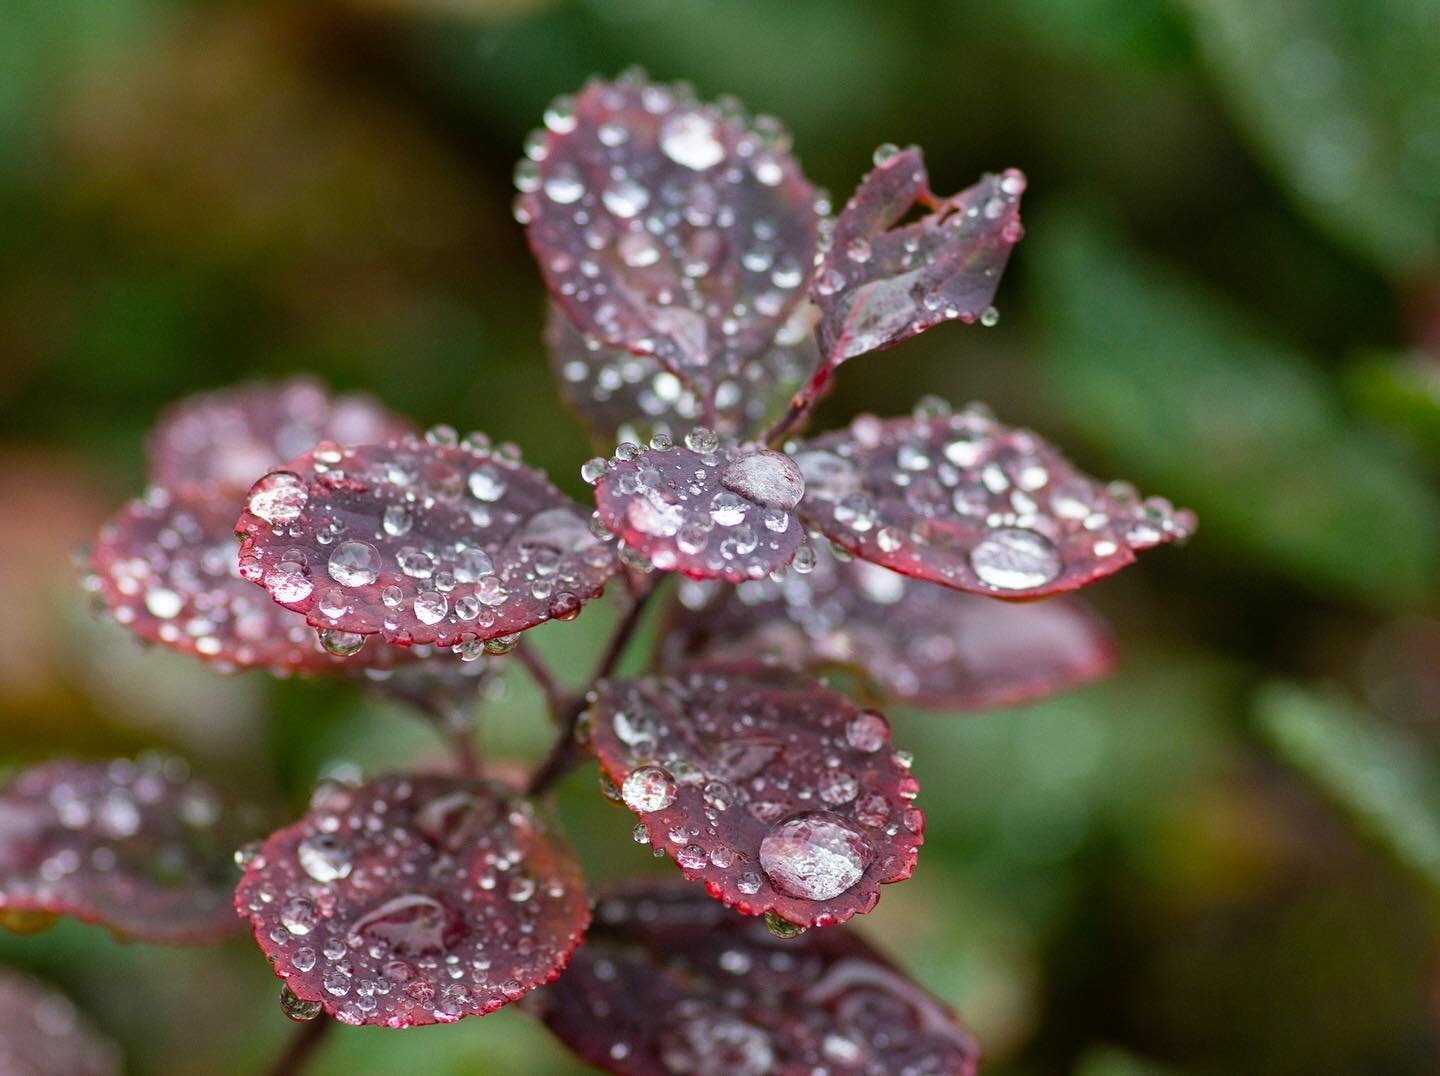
(703, 296)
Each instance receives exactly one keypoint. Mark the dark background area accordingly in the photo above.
(1223, 860)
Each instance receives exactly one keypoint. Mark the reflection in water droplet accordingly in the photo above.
(650, 788)
(354, 564)
(692, 139)
(766, 478)
(814, 856)
(1012, 558)
(412, 925)
(323, 858)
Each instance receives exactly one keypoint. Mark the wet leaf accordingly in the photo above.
(669, 227)
(42, 1033)
(420, 541)
(882, 281)
(415, 900)
(138, 847)
(915, 642)
(668, 981)
(962, 500)
(779, 794)
(708, 510)
(165, 569)
(625, 397)
(235, 435)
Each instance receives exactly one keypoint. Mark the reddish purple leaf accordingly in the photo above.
(42, 1034)
(235, 435)
(707, 510)
(415, 900)
(915, 642)
(669, 227)
(138, 847)
(962, 500)
(627, 397)
(668, 982)
(165, 568)
(777, 793)
(882, 282)
(420, 541)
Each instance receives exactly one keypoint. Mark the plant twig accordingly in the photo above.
(803, 402)
(300, 1046)
(557, 699)
(563, 754)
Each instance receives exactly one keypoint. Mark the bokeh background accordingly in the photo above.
(1224, 860)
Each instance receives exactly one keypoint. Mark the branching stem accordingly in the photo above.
(564, 752)
(300, 1046)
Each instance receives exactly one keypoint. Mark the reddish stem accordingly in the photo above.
(557, 699)
(804, 401)
(563, 752)
(300, 1046)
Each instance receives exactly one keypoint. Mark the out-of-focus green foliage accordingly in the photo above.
(1235, 424)
(1389, 781)
(1342, 99)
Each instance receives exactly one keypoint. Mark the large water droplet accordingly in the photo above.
(323, 858)
(650, 788)
(1012, 558)
(354, 564)
(814, 856)
(766, 478)
(692, 139)
(279, 497)
(412, 925)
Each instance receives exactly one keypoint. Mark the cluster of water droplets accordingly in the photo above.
(165, 568)
(707, 509)
(961, 499)
(767, 783)
(232, 435)
(943, 267)
(681, 229)
(918, 642)
(719, 997)
(442, 541)
(630, 397)
(412, 901)
(134, 844)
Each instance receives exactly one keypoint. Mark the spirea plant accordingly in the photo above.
(704, 296)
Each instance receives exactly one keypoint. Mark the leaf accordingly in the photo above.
(420, 541)
(625, 397)
(707, 510)
(962, 500)
(1342, 100)
(138, 847)
(669, 227)
(235, 435)
(1196, 398)
(780, 795)
(1379, 775)
(415, 900)
(668, 981)
(164, 568)
(915, 642)
(882, 282)
(42, 1033)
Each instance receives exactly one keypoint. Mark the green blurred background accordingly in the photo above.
(1224, 860)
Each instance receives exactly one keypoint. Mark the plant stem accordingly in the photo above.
(803, 402)
(562, 754)
(301, 1045)
(557, 699)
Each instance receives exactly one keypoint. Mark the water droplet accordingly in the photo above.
(1012, 558)
(354, 564)
(279, 497)
(867, 731)
(884, 152)
(342, 644)
(297, 1009)
(163, 602)
(692, 139)
(487, 484)
(431, 606)
(814, 856)
(323, 858)
(766, 478)
(397, 520)
(649, 788)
